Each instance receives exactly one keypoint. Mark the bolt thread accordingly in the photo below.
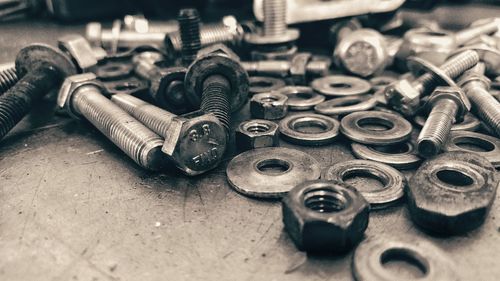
(215, 98)
(318, 67)
(189, 28)
(8, 78)
(464, 36)
(485, 105)
(209, 34)
(19, 99)
(153, 117)
(274, 17)
(131, 136)
(452, 68)
(437, 127)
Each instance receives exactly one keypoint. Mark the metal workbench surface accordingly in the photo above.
(74, 207)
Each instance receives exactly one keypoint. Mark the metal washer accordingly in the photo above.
(245, 175)
(407, 159)
(341, 85)
(490, 144)
(264, 84)
(301, 97)
(394, 182)
(346, 105)
(289, 129)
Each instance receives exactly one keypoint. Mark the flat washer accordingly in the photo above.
(247, 174)
(301, 97)
(370, 256)
(469, 123)
(341, 85)
(346, 105)
(289, 129)
(491, 145)
(264, 84)
(380, 82)
(405, 158)
(394, 182)
(398, 129)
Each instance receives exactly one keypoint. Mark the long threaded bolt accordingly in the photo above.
(215, 98)
(476, 85)
(189, 27)
(195, 145)
(452, 68)
(274, 17)
(8, 78)
(465, 35)
(43, 68)
(131, 136)
(282, 68)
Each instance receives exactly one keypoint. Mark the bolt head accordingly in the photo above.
(197, 144)
(34, 55)
(298, 68)
(93, 32)
(453, 93)
(79, 50)
(403, 97)
(69, 87)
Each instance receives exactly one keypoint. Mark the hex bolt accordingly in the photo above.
(166, 84)
(8, 77)
(189, 27)
(449, 104)
(195, 145)
(476, 87)
(82, 96)
(42, 68)
(404, 96)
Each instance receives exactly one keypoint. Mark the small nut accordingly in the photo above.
(269, 106)
(325, 216)
(453, 93)
(80, 51)
(452, 193)
(257, 133)
(403, 97)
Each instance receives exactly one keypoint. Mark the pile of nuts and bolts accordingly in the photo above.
(424, 100)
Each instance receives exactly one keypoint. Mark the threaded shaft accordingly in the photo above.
(464, 36)
(215, 98)
(209, 34)
(19, 99)
(318, 67)
(274, 17)
(153, 117)
(131, 136)
(189, 28)
(437, 127)
(8, 78)
(452, 67)
(484, 104)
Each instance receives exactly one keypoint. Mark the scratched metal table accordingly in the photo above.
(74, 207)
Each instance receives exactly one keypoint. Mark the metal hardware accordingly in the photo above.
(309, 129)
(483, 145)
(400, 156)
(8, 77)
(256, 133)
(263, 84)
(301, 97)
(269, 106)
(340, 86)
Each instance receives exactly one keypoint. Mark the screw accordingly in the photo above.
(404, 96)
(189, 27)
(195, 145)
(448, 104)
(81, 95)
(8, 78)
(476, 87)
(42, 68)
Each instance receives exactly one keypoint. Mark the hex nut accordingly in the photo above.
(69, 87)
(257, 133)
(269, 106)
(452, 193)
(80, 51)
(403, 96)
(453, 93)
(325, 216)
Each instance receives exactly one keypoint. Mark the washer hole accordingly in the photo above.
(340, 85)
(273, 166)
(303, 96)
(454, 177)
(474, 144)
(261, 84)
(324, 200)
(375, 124)
(310, 126)
(403, 263)
(365, 180)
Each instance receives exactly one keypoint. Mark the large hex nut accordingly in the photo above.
(69, 87)
(325, 216)
(452, 93)
(403, 97)
(257, 133)
(452, 193)
(269, 106)
(217, 59)
(80, 51)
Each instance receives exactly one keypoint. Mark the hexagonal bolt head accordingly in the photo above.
(69, 87)
(80, 51)
(257, 133)
(325, 216)
(298, 68)
(452, 93)
(269, 106)
(403, 97)
(452, 193)
(197, 144)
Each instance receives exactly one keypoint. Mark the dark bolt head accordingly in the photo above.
(36, 55)
(169, 91)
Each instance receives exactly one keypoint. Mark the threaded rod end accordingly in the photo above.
(189, 28)
(274, 17)
(215, 98)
